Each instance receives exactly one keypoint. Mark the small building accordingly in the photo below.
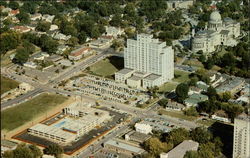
(21, 29)
(233, 85)
(172, 105)
(193, 90)
(202, 85)
(79, 53)
(60, 36)
(134, 81)
(101, 42)
(35, 17)
(53, 27)
(180, 150)
(61, 49)
(7, 145)
(143, 128)
(113, 31)
(194, 99)
(14, 12)
(48, 18)
(179, 4)
(123, 75)
(30, 65)
(123, 147)
(136, 137)
(55, 58)
(220, 115)
(157, 125)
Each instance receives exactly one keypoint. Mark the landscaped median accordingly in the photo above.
(35, 110)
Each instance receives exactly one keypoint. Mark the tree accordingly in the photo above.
(13, 5)
(82, 36)
(22, 56)
(28, 46)
(48, 44)
(193, 81)
(176, 136)
(72, 42)
(191, 154)
(9, 40)
(43, 26)
(155, 146)
(54, 150)
(163, 102)
(37, 153)
(23, 17)
(116, 20)
(225, 96)
(29, 7)
(69, 30)
(182, 92)
(211, 92)
(191, 111)
(201, 135)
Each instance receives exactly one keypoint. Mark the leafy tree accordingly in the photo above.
(182, 92)
(163, 102)
(82, 36)
(13, 5)
(36, 151)
(69, 30)
(176, 136)
(225, 96)
(43, 26)
(28, 46)
(29, 7)
(211, 92)
(23, 151)
(54, 150)
(116, 44)
(48, 44)
(22, 56)
(72, 42)
(94, 32)
(191, 111)
(191, 154)
(201, 135)
(116, 20)
(193, 81)
(23, 17)
(155, 146)
(9, 40)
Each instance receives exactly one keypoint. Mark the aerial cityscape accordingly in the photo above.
(125, 79)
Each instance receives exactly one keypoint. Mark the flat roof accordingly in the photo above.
(125, 71)
(124, 146)
(7, 143)
(180, 150)
(135, 78)
(152, 77)
(139, 136)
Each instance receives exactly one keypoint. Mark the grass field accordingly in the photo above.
(206, 122)
(167, 87)
(7, 84)
(193, 63)
(16, 116)
(181, 76)
(177, 114)
(107, 67)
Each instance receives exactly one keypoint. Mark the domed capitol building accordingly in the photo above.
(219, 32)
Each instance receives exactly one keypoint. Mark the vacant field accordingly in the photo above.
(7, 84)
(16, 116)
(181, 76)
(177, 114)
(193, 63)
(167, 87)
(107, 67)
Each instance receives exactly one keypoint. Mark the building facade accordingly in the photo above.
(241, 146)
(219, 32)
(152, 60)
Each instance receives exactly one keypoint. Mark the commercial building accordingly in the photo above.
(136, 137)
(123, 147)
(79, 53)
(151, 59)
(219, 32)
(69, 129)
(232, 85)
(241, 145)
(179, 4)
(143, 128)
(180, 150)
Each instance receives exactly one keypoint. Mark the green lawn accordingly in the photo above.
(167, 87)
(177, 114)
(16, 116)
(193, 63)
(107, 67)
(206, 122)
(7, 84)
(181, 76)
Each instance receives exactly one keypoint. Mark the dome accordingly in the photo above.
(215, 16)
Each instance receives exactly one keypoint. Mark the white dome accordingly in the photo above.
(215, 16)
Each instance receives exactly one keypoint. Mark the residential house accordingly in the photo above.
(194, 99)
(60, 36)
(48, 18)
(79, 53)
(202, 85)
(30, 65)
(233, 85)
(61, 49)
(143, 128)
(14, 12)
(102, 42)
(220, 115)
(113, 31)
(172, 105)
(193, 90)
(36, 16)
(55, 58)
(53, 27)
(21, 29)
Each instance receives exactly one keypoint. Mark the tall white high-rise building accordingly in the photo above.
(148, 62)
(241, 146)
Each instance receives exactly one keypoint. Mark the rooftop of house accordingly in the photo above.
(124, 146)
(180, 150)
(80, 51)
